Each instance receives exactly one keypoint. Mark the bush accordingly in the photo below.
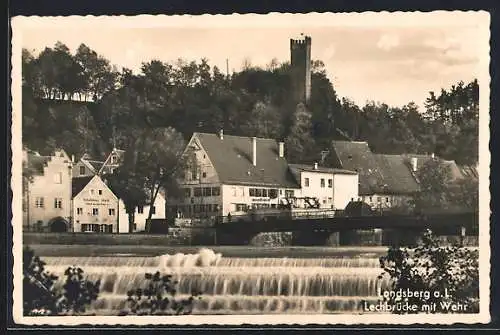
(432, 268)
(41, 297)
(158, 297)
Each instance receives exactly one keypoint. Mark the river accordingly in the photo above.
(233, 280)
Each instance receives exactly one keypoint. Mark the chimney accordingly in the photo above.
(72, 158)
(414, 164)
(221, 134)
(254, 151)
(315, 166)
(282, 149)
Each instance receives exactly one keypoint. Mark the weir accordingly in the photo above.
(237, 285)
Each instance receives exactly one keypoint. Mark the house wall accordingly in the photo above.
(233, 195)
(324, 193)
(49, 187)
(96, 195)
(345, 188)
(140, 216)
(385, 201)
(79, 167)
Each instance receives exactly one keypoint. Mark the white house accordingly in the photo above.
(232, 174)
(333, 188)
(141, 214)
(47, 193)
(95, 206)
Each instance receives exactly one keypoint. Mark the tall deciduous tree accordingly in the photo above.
(299, 142)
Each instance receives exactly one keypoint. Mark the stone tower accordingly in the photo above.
(300, 52)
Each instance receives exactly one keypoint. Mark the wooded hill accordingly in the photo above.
(79, 101)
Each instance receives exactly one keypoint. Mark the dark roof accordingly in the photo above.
(397, 174)
(324, 169)
(36, 163)
(78, 184)
(232, 160)
(357, 156)
(387, 174)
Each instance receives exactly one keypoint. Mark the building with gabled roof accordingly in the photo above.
(232, 174)
(87, 166)
(387, 180)
(112, 161)
(95, 206)
(47, 191)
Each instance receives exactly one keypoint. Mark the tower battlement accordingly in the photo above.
(299, 42)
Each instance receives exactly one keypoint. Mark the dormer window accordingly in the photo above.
(113, 159)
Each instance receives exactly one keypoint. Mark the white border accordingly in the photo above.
(367, 19)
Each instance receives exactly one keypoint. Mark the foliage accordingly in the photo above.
(440, 189)
(433, 268)
(42, 297)
(191, 96)
(158, 297)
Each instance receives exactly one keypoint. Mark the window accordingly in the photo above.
(92, 192)
(198, 192)
(258, 192)
(153, 210)
(330, 200)
(281, 192)
(87, 228)
(39, 202)
(387, 199)
(57, 203)
(193, 175)
(187, 192)
(215, 191)
(113, 159)
(324, 201)
(79, 211)
(289, 193)
(140, 209)
(322, 182)
(111, 211)
(306, 182)
(58, 178)
(95, 211)
(204, 175)
(371, 199)
(100, 192)
(273, 193)
(264, 192)
(241, 207)
(379, 199)
(252, 192)
(82, 170)
(207, 191)
(330, 183)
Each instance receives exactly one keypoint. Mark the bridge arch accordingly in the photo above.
(58, 225)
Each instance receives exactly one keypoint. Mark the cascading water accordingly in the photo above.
(237, 285)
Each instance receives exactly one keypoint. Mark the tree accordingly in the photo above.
(449, 274)
(440, 189)
(40, 295)
(263, 121)
(158, 297)
(299, 142)
(129, 186)
(160, 162)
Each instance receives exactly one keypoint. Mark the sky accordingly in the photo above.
(393, 59)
